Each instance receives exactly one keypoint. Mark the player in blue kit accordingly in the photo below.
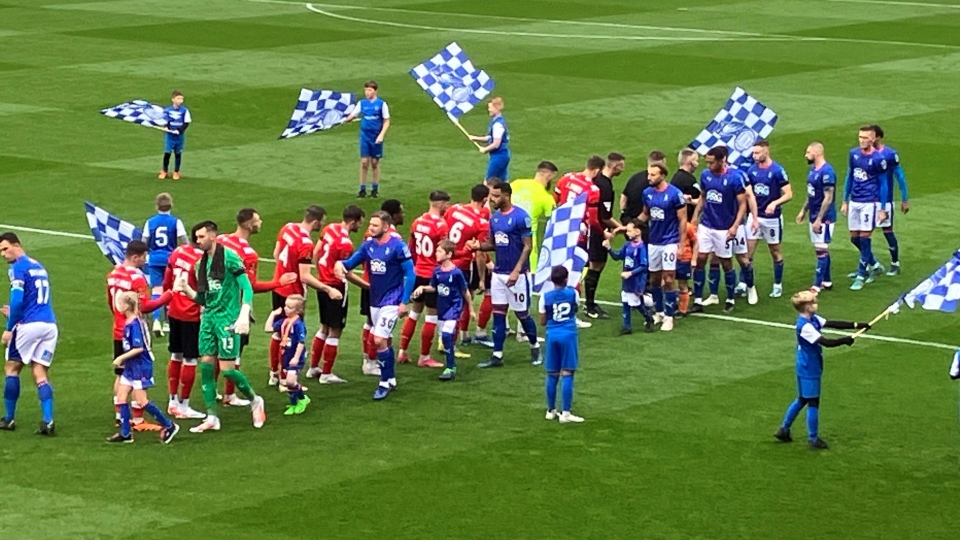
(374, 117)
(497, 142)
(162, 233)
(136, 375)
(810, 344)
(293, 338)
(892, 171)
(391, 283)
(30, 335)
(821, 190)
(178, 120)
(634, 275)
(558, 308)
(864, 200)
(719, 212)
(665, 210)
(511, 238)
(771, 187)
(453, 295)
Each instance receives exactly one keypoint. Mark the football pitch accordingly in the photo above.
(678, 439)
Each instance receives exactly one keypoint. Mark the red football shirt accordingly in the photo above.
(122, 279)
(250, 258)
(571, 186)
(182, 261)
(294, 247)
(466, 224)
(334, 245)
(426, 232)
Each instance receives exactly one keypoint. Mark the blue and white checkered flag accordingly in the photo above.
(452, 81)
(111, 233)
(318, 110)
(138, 111)
(560, 245)
(737, 126)
(939, 292)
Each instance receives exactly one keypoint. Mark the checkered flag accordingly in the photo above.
(111, 233)
(138, 111)
(737, 126)
(939, 292)
(452, 81)
(560, 245)
(318, 110)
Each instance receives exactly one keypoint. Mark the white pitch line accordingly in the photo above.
(728, 318)
(893, 3)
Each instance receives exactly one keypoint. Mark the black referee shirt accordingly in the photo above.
(607, 195)
(687, 183)
(633, 191)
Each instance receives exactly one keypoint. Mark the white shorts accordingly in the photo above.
(739, 244)
(449, 327)
(137, 384)
(631, 299)
(384, 319)
(663, 257)
(888, 222)
(771, 230)
(33, 342)
(714, 241)
(861, 217)
(517, 297)
(824, 237)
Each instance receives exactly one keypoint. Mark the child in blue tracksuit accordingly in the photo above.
(288, 323)
(634, 275)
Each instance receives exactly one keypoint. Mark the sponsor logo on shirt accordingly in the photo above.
(714, 196)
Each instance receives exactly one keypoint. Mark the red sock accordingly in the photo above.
(274, 355)
(371, 347)
(137, 411)
(363, 340)
(116, 407)
(188, 374)
(428, 334)
(465, 320)
(486, 310)
(228, 387)
(216, 371)
(174, 369)
(316, 352)
(330, 355)
(409, 327)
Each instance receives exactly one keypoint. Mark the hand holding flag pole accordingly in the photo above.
(875, 320)
(467, 133)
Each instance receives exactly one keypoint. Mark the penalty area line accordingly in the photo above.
(728, 318)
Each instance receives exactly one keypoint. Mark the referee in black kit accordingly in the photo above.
(595, 250)
(684, 179)
(631, 199)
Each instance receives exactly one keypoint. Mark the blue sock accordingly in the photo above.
(11, 393)
(157, 314)
(748, 275)
(125, 419)
(45, 393)
(383, 359)
(376, 186)
(698, 278)
(300, 394)
(813, 422)
(792, 411)
(448, 345)
(552, 380)
(730, 280)
(363, 188)
(828, 276)
(778, 272)
(855, 240)
(866, 250)
(567, 392)
(821, 274)
(292, 396)
(670, 303)
(645, 312)
(530, 329)
(894, 247)
(155, 412)
(873, 258)
(714, 278)
(391, 363)
(658, 299)
(743, 276)
(499, 331)
(627, 315)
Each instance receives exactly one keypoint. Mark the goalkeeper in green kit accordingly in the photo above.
(225, 292)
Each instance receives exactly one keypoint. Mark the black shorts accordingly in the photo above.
(333, 313)
(429, 299)
(278, 301)
(244, 342)
(365, 302)
(184, 338)
(117, 348)
(595, 250)
(473, 280)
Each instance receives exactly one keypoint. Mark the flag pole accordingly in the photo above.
(465, 132)
(873, 322)
(165, 130)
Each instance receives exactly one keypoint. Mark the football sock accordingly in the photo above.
(177, 158)
(670, 303)
(448, 344)
(821, 273)
(567, 392)
(208, 385)
(627, 312)
(274, 355)
(124, 419)
(11, 393)
(894, 247)
(409, 327)
(428, 334)
(240, 381)
(155, 412)
(188, 374)
(530, 329)
(316, 350)
(828, 275)
(698, 278)
(330, 355)
(730, 280)
(748, 275)
(714, 278)
(658, 299)
(590, 283)
(684, 301)
(778, 272)
(166, 162)
(499, 329)
(813, 422)
(45, 393)
(792, 411)
(552, 380)
(174, 367)
(486, 310)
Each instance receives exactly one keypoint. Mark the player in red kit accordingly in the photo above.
(469, 225)
(426, 233)
(572, 185)
(334, 245)
(248, 224)
(184, 340)
(294, 254)
(128, 277)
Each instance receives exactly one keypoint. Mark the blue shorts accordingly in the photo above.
(174, 144)
(498, 167)
(138, 375)
(562, 353)
(808, 388)
(155, 275)
(285, 364)
(683, 270)
(369, 147)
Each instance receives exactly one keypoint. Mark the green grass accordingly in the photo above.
(677, 442)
